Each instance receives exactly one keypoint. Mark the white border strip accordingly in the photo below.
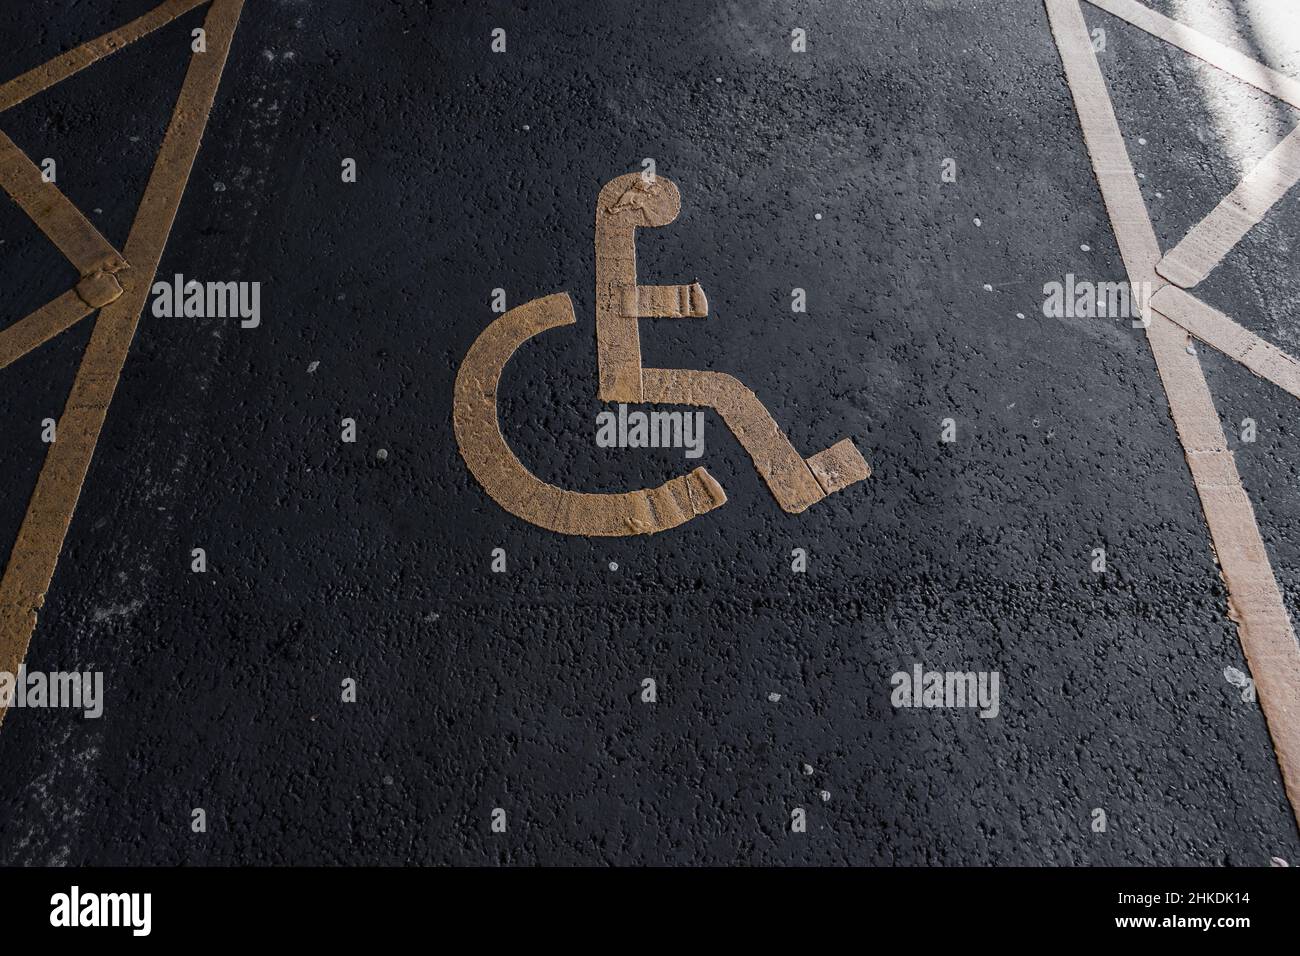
(1232, 339)
(1236, 214)
(1254, 601)
(1232, 61)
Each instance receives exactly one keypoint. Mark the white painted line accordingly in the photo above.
(1254, 600)
(1258, 75)
(1214, 236)
(1236, 341)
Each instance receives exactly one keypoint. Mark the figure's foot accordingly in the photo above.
(839, 466)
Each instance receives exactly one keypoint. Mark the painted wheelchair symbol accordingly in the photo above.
(624, 204)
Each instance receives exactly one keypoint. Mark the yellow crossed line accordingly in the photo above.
(36, 551)
(78, 58)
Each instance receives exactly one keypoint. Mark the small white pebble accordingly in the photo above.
(826, 795)
(807, 770)
(382, 454)
(817, 216)
(613, 565)
(1277, 861)
(1141, 141)
(987, 287)
(1191, 349)
(978, 221)
(774, 697)
(312, 367)
(1160, 195)
(527, 127)
(718, 80)
(1020, 315)
(1086, 248)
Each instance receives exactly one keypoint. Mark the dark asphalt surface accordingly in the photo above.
(521, 691)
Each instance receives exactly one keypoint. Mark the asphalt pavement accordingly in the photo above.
(522, 690)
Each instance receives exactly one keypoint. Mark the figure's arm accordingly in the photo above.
(666, 302)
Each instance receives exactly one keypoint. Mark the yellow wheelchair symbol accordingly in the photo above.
(625, 204)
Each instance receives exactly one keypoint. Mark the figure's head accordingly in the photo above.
(639, 201)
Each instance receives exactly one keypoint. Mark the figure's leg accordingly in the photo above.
(795, 483)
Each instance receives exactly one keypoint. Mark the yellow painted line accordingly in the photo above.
(1224, 57)
(56, 216)
(41, 326)
(49, 513)
(78, 58)
(1254, 600)
(1214, 236)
